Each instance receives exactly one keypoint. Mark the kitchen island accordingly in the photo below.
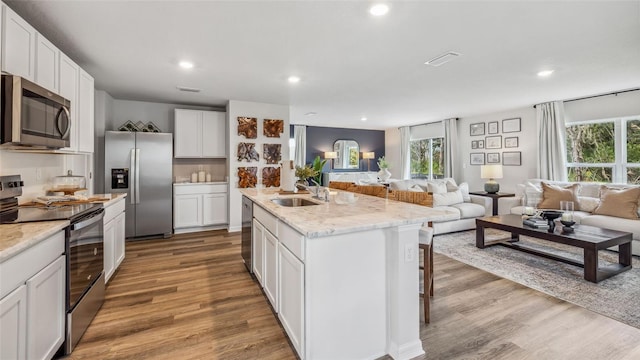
(343, 279)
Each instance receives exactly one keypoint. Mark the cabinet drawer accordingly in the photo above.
(293, 240)
(199, 189)
(18, 269)
(267, 220)
(113, 210)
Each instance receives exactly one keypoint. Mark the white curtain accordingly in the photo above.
(405, 156)
(300, 138)
(552, 148)
(450, 146)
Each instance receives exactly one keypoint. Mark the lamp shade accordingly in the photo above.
(368, 155)
(330, 155)
(491, 171)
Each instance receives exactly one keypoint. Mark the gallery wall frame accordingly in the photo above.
(477, 129)
(512, 158)
(511, 125)
(493, 158)
(474, 144)
(493, 127)
(511, 142)
(476, 159)
(493, 142)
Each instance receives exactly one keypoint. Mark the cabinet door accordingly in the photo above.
(85, 112)
(270, 275)
(214, 143)
(68, 83)
(109, 243)
(214, 209)
(119, 244)
(47, 57)
(187, 211)
(291, 296)
(18, 45)
(46, 306)
(257, 250)
(13, 325)
(188, 133)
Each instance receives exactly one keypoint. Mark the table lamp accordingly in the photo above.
(331, 155)
(491, 172)
(368, 155)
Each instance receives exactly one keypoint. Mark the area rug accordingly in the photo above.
(617, 297)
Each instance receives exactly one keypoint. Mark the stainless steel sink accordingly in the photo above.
(291, 202)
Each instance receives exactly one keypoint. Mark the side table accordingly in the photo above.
(494, 197)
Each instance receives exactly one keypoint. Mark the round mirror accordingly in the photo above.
(348, 154)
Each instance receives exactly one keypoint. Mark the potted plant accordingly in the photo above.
(303, 173)
(384, 173)
(318, 165)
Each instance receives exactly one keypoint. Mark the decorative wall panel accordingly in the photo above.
(271, 176)
(248, 127)
(247, 151)
(273, 127)
(272, 153)
(247, 177)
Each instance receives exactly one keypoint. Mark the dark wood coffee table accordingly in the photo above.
(591, 239)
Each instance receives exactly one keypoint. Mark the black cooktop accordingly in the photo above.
(30, 214)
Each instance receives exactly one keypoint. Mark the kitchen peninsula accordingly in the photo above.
(343, 278)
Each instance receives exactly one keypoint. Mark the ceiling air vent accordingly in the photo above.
(188, 89)
(442, 59)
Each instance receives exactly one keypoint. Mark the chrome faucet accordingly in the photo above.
(318, 188)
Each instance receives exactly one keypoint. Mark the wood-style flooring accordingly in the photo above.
(190, 297)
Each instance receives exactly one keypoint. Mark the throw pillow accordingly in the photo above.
(587, 203)
(622, 203)
(464, 187)
(533, 194)
(416, 188)
(552, 195)
(447, 198)
(437, 187)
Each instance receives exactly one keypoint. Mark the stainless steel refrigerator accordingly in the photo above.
(140, 164)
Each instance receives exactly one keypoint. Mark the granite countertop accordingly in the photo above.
(330, 218)
(15, 238)
(113, 198)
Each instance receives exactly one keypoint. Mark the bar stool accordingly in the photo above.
(425, 241)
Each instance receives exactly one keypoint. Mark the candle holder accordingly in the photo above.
(567, 228)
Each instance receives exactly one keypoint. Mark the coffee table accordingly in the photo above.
(589, 238)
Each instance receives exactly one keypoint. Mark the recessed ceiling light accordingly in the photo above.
(442, 59)
(363, 119)
(379, 9)
(311, 113)
(545, 73)
(293, 79)
(186, 64)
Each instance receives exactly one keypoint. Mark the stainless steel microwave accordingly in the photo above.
(33, 116)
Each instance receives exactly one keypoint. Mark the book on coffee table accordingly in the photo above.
(537, 223)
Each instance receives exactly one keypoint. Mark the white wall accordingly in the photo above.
(103, 114)
(260, 111)
(603, 107)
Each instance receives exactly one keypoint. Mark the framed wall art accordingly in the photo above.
(512, 158)
(474, 144)
(476, 159)
(476, 129)
(493, 127)
(511, 142)
(511, 125)
(493, 142)
(493, 158)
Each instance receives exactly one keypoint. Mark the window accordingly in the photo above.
(604, 150)
(427, 160)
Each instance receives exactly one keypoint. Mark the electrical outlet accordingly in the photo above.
(409, 253)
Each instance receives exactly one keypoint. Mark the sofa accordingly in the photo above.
(446, 194)
(596, 204)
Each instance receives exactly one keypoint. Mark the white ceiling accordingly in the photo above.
(351, 64)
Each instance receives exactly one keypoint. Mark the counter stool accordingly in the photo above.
(425, 241)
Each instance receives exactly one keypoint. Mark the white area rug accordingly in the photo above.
(617, 297)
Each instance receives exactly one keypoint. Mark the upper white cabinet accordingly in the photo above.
(18, 45)
(85, 112)
(68, 81)
(199, 134)
(47, 68)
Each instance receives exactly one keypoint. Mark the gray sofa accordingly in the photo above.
(468, 207)
(588, 196)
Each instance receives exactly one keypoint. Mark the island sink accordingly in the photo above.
(291, 202)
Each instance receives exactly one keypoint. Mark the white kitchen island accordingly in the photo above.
(342, 278)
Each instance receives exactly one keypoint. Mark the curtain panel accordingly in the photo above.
(405, 155)
(450, 147)
(300, 139)
(552, 147)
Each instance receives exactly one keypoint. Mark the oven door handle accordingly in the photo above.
(92, 220)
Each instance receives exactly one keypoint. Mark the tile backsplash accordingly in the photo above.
(183, 168)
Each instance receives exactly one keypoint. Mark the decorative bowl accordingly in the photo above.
(551, 214)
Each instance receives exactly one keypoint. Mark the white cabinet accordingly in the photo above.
(291, 296)
(18, 45)
(85, 108)
(46, 310)
(199, 134)
(47, 67)
(257, 250)
(114, 236)
(270, 276)
(199, 207)
(32, 301)
(68, 75)
(13, 325)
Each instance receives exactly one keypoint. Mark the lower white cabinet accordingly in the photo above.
(13, 325)
(257, 250)
(114, 237)
(198, 207)
(270, 276)
(291, 296)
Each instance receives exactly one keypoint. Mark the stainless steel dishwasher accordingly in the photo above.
(247, 220)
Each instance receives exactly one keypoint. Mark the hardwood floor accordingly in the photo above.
(190, 297)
